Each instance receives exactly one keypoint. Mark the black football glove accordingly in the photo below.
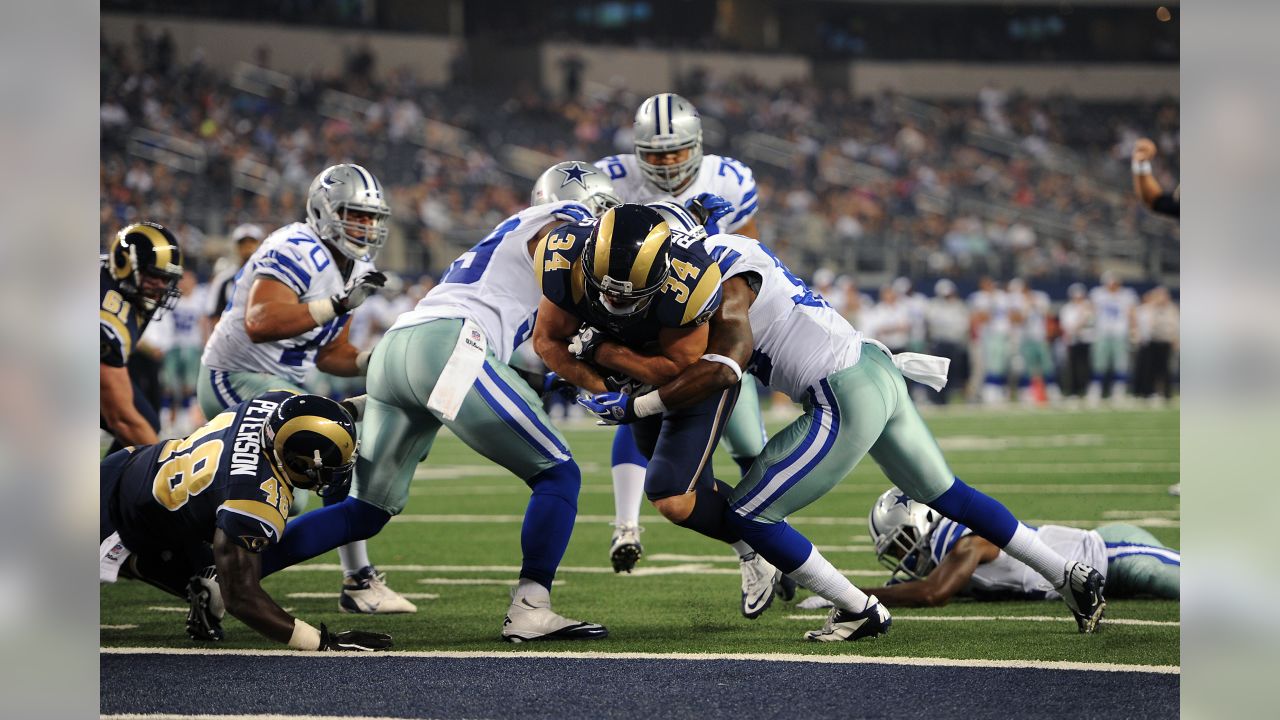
(353, 640)
(620, 382)
(358, 290)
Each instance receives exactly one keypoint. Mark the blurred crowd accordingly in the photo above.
(1000, 186)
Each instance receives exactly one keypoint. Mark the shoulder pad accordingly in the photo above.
(558, 266)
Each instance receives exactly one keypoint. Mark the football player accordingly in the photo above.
(855, 401)
(445, 364)
(177, 513)
(246, 237)
(990, 313)
(1028, 313)
(625, 303)
(668, 165)
(933, 559)
(289, 312)
(1113, 306)
(138, 281)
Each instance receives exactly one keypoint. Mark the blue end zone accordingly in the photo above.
(559, 689)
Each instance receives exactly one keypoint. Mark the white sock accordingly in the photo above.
(628, 493)
(354, 556)
(820, 576)
(742, 548)
(532, 591)
(1027, 548)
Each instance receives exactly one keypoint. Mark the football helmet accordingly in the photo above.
(336, 193)
(626, 259)
(685, 228)
(575, 180)
(311, 441)
(668, 123)
(146, 251)
(900, 528)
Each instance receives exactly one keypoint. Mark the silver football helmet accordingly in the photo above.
(343, 189)
(900, 528)
(575, 180)
(668, 123)
(685, 229)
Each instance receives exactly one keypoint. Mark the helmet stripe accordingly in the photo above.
(159, 243)
(653, 242)
(604, 243)
(657, 114)
(319, 425)
(667, 97)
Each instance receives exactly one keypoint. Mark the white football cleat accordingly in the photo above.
(847, 625)
(759, 580)
(367, 593)
(625, 549)
(1082, 591)
(535, 620)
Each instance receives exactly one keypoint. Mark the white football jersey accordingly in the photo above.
(1005, 576)
(295, 256)
(799, 340)
(1076, 320)
(184, 319)
(493, 283)
(1034, 308)
(1111, 310)
(721, 176)
(995, 304)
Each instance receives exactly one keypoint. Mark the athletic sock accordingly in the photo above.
(1027, 548)
(742, 548)
(628, 493)
(532, 590)
(820, 576)
(354, 557)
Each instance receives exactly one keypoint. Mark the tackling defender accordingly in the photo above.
(230, 484)
(668, 165)
(445, 363)
(856, 402)
(138, 281)
(290, 312)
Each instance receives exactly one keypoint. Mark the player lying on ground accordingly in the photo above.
(933, 559)
(445, 364)
(855, 401)
(625, 303)
(228, 484)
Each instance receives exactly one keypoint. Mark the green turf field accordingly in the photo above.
(463, 522)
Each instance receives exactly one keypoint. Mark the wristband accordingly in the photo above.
(362, 361)
(304, 636)
(648, 404)
(1142, 167)
(322, 311)
(726, 361)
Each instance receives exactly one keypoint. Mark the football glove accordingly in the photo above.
(553, 383)
(353, 640)
(358, 290)
(586, 342)
(613, 408)
(709, 208)
(619, 382)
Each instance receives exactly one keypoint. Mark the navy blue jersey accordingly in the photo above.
(120, 324)
(176, 493)
(690, 294)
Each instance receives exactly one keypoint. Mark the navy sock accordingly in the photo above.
(983, 514)
(548, 521)
(322, 530)
(779, 543)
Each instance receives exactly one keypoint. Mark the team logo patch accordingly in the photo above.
(254, 543)
(114, 553)
(575, 174)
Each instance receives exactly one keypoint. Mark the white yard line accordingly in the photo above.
(522, 655)
(332, 595)
(1001, 618)
(117, 627)
(1049, 488)
(478, 581)
(797, 520)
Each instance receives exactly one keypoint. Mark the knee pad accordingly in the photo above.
(563, 481)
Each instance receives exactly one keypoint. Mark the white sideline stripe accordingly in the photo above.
(163, 716)
(521, 655)
(797, 520)
(994, 488)
(176, 609)
(682, 569)
(117, 627)
(330, 596)
(1002, 618)
(1083, 468)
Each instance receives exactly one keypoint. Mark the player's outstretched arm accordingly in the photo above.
(116, 405)
(1145, 184)
(274, 312)
(949, 578)
(239, 571)
(679, 348)
(729, 337)
(551, 333)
